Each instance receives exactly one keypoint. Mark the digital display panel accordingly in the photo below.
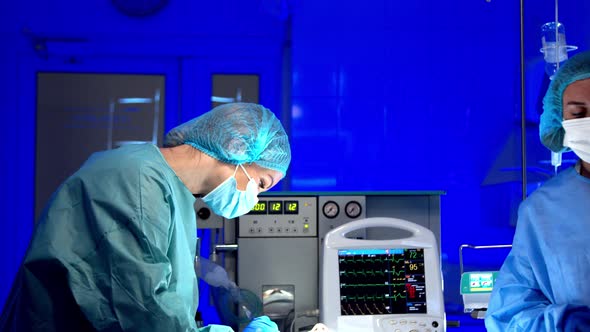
(260, 208)
(275, 207)
(291, 207)
(481, 282)
(382, 281)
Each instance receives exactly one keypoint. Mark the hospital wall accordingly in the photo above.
(377, 95)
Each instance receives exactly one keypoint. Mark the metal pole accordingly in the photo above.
(522, 103)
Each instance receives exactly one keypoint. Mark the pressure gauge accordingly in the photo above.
(330, 209)
(353, 209)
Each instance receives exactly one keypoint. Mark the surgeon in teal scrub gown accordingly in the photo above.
(114, 248)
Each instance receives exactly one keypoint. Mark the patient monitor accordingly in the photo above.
(382, 285)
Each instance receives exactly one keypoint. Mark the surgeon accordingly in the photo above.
(114, 248)
(543, 283)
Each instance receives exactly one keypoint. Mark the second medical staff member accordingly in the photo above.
(114, 249)
(543, 284)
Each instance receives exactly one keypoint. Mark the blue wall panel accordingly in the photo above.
(410, 95)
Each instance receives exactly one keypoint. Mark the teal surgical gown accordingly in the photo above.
(113, 251)
(543, 284)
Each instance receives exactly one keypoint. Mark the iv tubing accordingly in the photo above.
(557, 44)
(556, 156)
(522, 103)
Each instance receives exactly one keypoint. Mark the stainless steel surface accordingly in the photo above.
(494, 246)
(282, 263)
(225, 247)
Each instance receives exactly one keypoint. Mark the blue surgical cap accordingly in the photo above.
(237, 133)
(551, 131)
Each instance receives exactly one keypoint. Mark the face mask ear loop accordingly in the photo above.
(236, 170)
(248, 175)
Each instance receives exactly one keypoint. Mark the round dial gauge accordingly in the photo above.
(353, 209)
(330, 209)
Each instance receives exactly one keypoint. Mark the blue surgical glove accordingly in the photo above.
(262, 324)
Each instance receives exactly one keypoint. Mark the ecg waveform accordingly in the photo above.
(382, 283)
(373, 260)
(372, 273)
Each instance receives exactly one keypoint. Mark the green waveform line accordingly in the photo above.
(364, 298)
(366, 272)
(395, 261)
(395, 296)
(361, 259)
(367, 298)
(398, 285)
(396, 273)
(364, 285)
(376, 260)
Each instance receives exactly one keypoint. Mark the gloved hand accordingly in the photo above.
(262, 324)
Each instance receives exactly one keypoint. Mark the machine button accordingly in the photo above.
(294, 229)
(287, 230)
(398, 330)
(271, 229)
(392, 321)
(204, 213)
(403, 322)
(435, 324)
(413, 330)
(251, 230)
(279, 229)
(259, 230)
(413, 322)
(422, 324)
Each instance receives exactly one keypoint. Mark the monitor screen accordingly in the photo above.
(382, 281)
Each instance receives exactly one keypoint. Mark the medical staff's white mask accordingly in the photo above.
(228, 201)
(577, 137)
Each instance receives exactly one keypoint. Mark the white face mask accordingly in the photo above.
(577, 137)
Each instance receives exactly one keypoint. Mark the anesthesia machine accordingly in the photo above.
(276, 250)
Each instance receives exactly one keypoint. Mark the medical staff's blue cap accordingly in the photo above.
(237, 133)
(551, 131)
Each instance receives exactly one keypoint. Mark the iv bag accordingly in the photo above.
(554, 47)
(554, 52)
